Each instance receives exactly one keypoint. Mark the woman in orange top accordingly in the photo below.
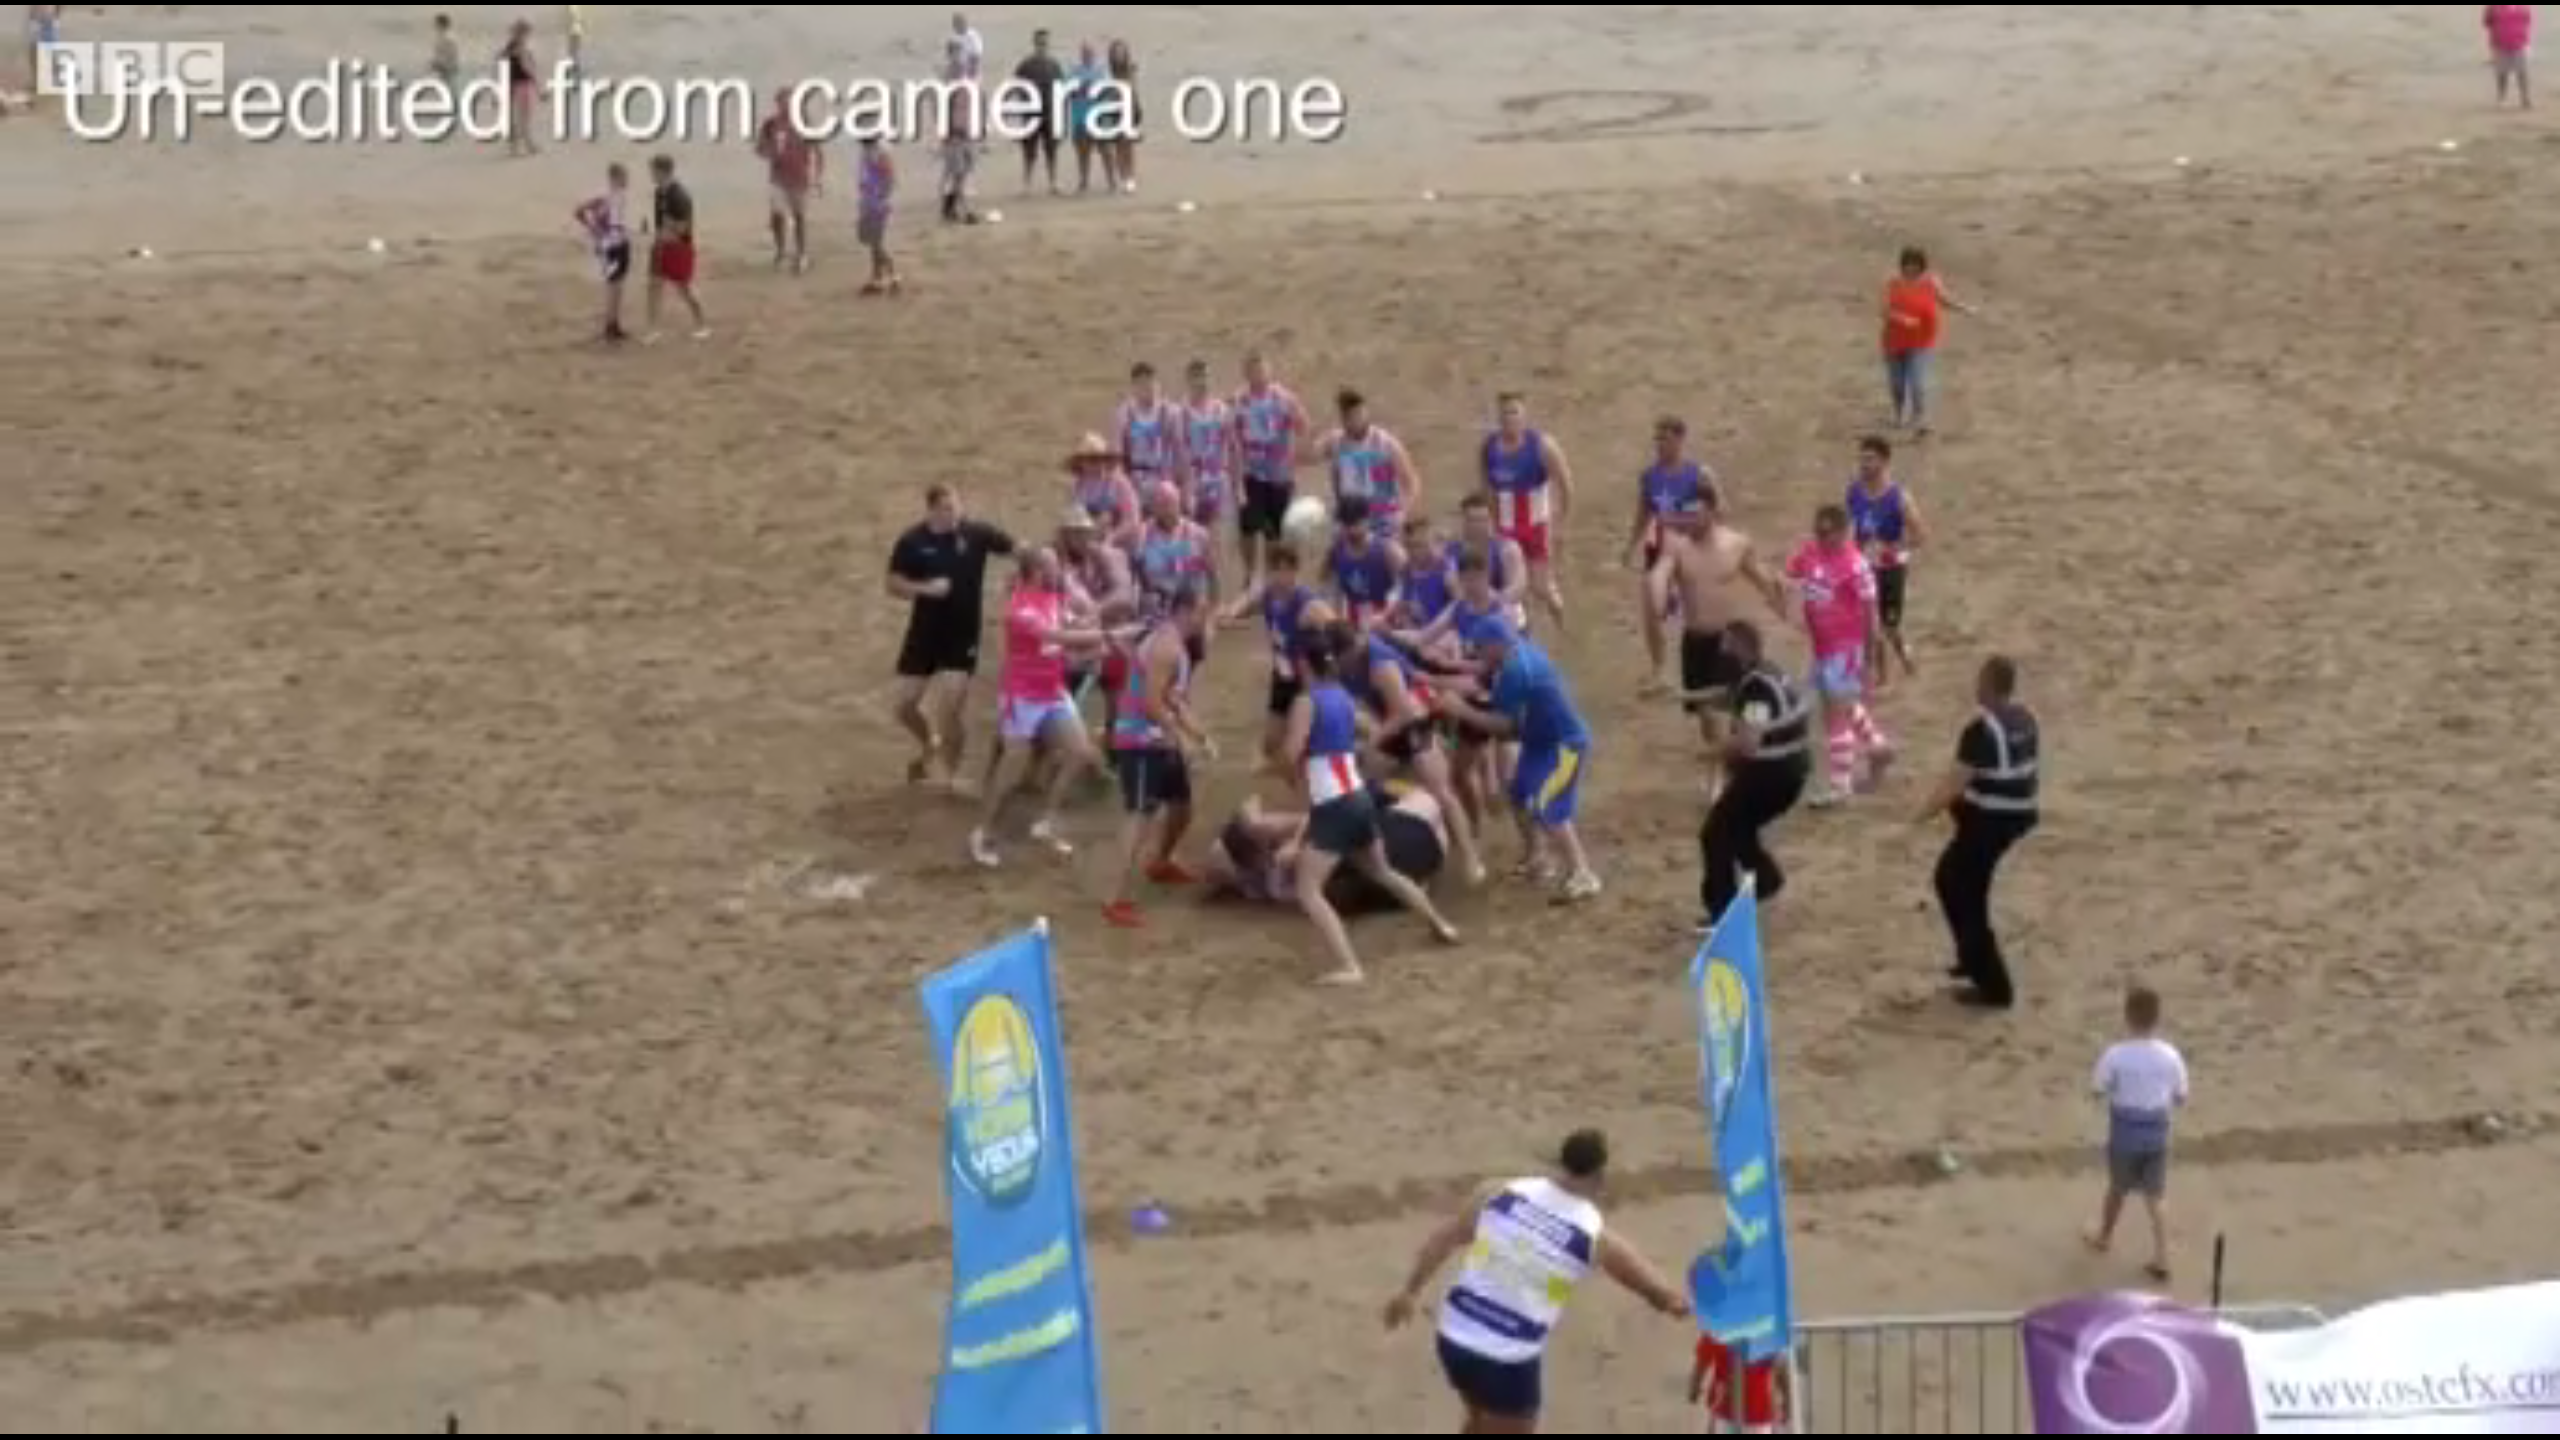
(1913, 300)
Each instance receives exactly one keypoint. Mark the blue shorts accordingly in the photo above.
(1507, 1388)
(1548, 782)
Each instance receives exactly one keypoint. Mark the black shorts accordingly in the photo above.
(1284, 693)
(1152, 779)
(1344, 826)
(1264, 506)
(1705, 667)
(1043, 141)
(1891, 584)
(1413, 852)
(931, 650)
(1511, 1389)
(1412, 742)
(614, 262)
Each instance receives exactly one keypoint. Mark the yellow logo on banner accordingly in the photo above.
(999, 1120)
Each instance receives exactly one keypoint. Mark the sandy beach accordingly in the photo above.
(409, 697)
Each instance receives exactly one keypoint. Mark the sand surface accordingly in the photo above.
(407, 698)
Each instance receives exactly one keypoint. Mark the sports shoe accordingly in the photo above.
(1124, 914)
(1046, 832)
(983, 850)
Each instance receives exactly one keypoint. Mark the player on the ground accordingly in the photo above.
(1370, 465)
(1034, 709)
(1363, 567)
(1673, 485)
(1282, 602)
(1529, 701)
(1531, 485)
(1208, 454)
(1096, 482)
(1342, 818)
(1272, 432)
(1143, 427)
(607, 221)
(1153, 736)
(1887, 522)
(1838, 590)
(1704, 565)
(795, 168)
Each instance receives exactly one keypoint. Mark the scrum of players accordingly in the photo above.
(1408, 707)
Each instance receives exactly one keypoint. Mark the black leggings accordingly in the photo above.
(1755, 796)
(1963, 880)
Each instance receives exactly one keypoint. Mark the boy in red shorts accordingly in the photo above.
(671, 254)
(1764, 1404)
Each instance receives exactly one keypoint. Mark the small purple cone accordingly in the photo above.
(1150, 1219)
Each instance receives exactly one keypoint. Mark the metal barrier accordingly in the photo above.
(1953, 1374)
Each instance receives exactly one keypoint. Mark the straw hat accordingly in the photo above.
(1076, 517)
(1092, 450)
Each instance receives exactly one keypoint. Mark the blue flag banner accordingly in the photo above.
(1743, 1289)
(1018, 1355)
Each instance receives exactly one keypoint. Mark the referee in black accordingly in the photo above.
(1990, 793)
(1768, 754)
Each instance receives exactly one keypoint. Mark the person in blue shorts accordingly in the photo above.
(1528, 700)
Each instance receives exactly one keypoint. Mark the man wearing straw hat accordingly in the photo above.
(1098, 481)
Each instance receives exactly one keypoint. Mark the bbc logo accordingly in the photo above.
(78, 68)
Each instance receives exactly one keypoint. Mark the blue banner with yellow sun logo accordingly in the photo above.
(1018, 1355)
(1743, 1289)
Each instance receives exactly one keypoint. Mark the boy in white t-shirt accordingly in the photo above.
(2143, 1079)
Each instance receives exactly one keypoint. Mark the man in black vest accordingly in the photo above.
(1990, 792)
(1768, 755)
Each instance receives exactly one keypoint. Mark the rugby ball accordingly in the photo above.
(1308, 523)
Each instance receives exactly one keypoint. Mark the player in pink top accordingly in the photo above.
(1034, 706)
(1838, 587)
(2510, 30)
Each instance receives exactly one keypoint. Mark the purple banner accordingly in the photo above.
(2128, 1364)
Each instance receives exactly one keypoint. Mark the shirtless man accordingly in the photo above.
(1255, 854)
(1672, 485)
(794, 169)
(1705, 564)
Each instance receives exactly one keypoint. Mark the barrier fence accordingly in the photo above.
(1949, 1374)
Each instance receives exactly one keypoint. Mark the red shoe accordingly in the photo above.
(1124, 914)
(1167, 872)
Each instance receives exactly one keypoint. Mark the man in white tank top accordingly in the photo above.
(1528, 1244)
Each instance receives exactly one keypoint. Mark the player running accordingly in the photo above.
(1272, 432)
(794, 167)
(1529, 701)
(1209, 454)
(1363, 567)
(1531, 485)
(1145, 430)
(1838, 589)
(1672, 486)
(1283, 604)
(1370, 465)
(1886, 521)
(607, 221)
(1034, 708)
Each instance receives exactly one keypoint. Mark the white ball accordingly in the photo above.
(1187, 206)
(1308, 523)
(995, 217)
(375, 245)
(2448, 144)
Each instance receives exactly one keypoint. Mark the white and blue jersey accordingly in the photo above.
(1534, 1243)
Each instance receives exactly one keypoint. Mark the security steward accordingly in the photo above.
(1990, 793)
(1768, 754)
